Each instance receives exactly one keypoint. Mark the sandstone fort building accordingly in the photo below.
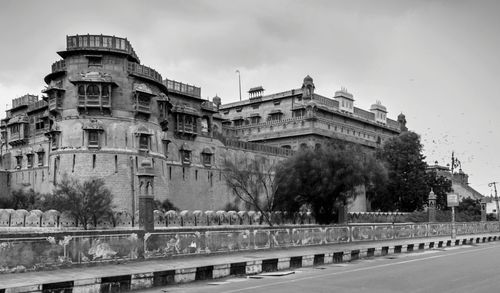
(102, 113)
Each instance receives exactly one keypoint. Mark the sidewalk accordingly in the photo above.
(160, 272)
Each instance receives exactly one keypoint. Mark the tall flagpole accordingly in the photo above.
(239, 81)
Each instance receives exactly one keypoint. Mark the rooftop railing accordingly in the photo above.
(144, 71)
(59, 66)
(24, 101)
(182, 88)
(37, 105)
(100, 42)
(256, 147)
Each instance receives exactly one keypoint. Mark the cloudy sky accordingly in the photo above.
(435, 61)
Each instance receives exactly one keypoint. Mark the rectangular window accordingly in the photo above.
(14, 128)
(40, 124)
(144, 142)
(275, 117)
(40, 158)
(19, 162)
(30, 160)
(186, 157)
(93, 139)
(54, 139)
(207, 159)
(95, 60)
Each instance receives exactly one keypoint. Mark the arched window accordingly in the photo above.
(93, 90)
(105, 91)
(81, 90)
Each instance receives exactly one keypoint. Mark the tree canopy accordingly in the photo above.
(325, 179)
(407, 189)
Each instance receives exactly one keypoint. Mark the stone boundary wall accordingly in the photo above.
(378, 217)
(52, 219)
(49, 250)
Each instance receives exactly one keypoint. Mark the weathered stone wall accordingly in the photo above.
(39, 251)
(35, 220)
(4, 184)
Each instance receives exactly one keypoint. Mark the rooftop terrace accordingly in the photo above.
(100, 43)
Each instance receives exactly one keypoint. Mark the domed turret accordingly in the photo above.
(380, 112)
(217, 101)
(402, 122)
(308, 79)
(308, 87)
(346, 100)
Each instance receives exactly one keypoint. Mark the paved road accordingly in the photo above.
(454, 269)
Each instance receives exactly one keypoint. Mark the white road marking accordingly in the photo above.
(358, 270)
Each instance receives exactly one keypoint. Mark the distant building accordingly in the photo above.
(301, 118)
(459, 182)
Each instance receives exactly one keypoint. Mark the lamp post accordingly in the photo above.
(239, 81)
(494, 184)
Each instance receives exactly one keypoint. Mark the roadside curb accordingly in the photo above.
(127, 282)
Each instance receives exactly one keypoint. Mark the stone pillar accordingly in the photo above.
(483, 209)
(342, 214)
(146, 196)
(432, 207)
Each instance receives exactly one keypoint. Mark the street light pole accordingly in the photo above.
(239, 81)
(494, 184)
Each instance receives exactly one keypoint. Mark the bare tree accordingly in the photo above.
(86, 202)
(253, 182)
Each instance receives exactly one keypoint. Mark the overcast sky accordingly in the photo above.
(435, 61)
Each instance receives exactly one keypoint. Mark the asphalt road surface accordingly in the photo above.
(453, 269)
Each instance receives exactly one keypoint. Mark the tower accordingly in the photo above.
(380, 112)
(146, 196)
(308, 88)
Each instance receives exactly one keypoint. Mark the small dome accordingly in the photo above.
(308, 79)
(378, 106)
(217, 100)
(401, 116)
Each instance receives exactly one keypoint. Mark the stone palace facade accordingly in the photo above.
(102, 113)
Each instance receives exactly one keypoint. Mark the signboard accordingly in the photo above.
(452, 200)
